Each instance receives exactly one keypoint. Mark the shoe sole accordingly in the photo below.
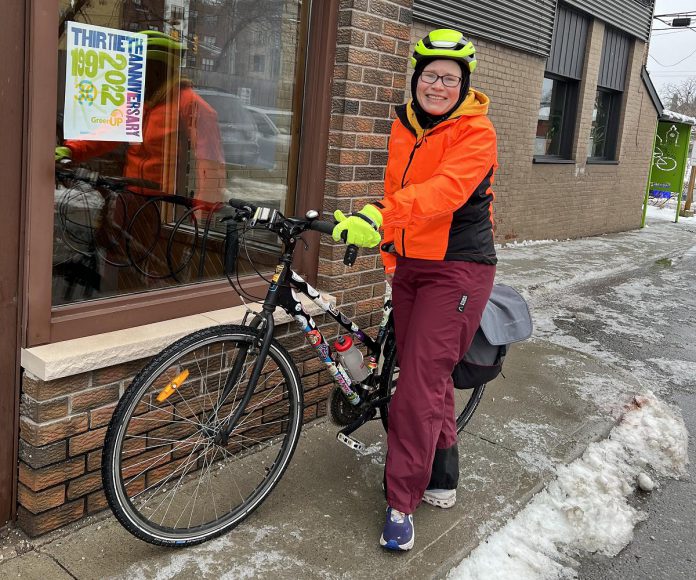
(439, 502)
(396, 547)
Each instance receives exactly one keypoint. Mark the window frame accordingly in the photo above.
(568, 122)
(613, 124)
(47, 324)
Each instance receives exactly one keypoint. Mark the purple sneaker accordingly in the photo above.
(398, 531)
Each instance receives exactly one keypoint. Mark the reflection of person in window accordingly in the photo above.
(180, 131)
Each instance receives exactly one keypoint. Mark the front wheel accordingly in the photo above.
(465, 400)
(184, 459)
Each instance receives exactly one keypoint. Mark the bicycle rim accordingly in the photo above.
(465, 400)
(168, 476)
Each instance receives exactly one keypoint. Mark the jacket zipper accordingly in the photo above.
(416, 145)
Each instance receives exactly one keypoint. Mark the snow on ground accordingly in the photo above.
(668, 212)
(585, 508)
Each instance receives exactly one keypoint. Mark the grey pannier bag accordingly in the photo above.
(505, 320)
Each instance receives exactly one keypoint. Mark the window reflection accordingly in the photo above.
(602, 136)
(217, 116)
(551, 117)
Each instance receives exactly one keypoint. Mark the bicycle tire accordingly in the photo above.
(466, 399)
(152, 437)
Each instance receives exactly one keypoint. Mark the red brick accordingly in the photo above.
(42, 412)
(95, 398)
(114, 374)
(86, 441)
(39, 434)
(38, 457)
(96, 502)
(35, 525)
(317, 394)
(84, 485)
(42, 390)
(38, 479)
(41, 501)
(380, 43)
(101, 416)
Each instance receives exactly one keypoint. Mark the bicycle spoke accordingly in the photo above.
(184, 476)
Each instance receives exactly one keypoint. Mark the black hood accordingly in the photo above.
(426, 120)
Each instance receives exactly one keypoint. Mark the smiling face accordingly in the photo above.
(437, 99)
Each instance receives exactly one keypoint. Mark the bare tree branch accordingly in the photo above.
(681, 97)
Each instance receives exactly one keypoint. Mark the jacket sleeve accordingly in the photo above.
(469, 158)
(388, 260)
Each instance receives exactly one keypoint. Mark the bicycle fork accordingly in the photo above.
(263, 343)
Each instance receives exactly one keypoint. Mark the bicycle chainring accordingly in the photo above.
(342, 413)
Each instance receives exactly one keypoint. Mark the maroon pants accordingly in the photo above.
(437, 310)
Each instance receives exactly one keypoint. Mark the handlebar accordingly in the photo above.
(249, 209)
(96, 179)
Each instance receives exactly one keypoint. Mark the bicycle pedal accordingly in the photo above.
(354, 444)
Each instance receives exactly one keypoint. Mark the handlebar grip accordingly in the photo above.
(241, 204)
(323, 227)
(351, 251)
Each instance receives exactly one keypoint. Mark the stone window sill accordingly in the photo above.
(80, 355)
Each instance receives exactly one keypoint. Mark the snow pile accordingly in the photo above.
(585, 509)
(668, 115)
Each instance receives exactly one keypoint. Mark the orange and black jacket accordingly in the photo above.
(438, 197)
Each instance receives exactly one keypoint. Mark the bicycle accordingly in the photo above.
(208, 427)
(127, 228)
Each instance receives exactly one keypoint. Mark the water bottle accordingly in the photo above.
(351, 359)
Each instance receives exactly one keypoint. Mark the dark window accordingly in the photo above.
(613, 68)
(555, 124)
(559, 94)
(259, 63)
(603, 133)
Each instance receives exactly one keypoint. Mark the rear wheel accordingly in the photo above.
(173, 475)
(465, 400)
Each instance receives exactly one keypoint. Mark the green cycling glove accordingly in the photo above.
(63, 153)
(362, 227)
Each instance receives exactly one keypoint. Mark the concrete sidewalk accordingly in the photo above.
(324, 518)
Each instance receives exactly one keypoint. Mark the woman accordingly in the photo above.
(437, 212)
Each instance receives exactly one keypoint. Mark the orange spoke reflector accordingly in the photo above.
(171, 387)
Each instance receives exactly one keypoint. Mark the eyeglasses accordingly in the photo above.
(450, 81)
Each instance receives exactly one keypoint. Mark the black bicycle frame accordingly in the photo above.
(283, 292)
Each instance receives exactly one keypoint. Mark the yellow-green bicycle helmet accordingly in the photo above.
(445, 43)
(162, 47)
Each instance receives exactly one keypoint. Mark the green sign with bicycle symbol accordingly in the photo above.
(669, 157)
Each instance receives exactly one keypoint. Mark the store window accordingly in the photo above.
(606, 115)
(557, 116)
(201, 130)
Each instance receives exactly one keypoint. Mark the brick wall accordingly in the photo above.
(540, 201)
(369, 80)
(63, 423)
